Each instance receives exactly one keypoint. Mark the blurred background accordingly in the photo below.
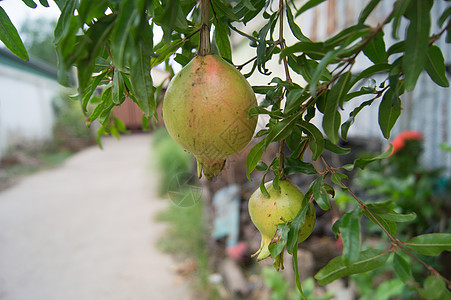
(78, 222)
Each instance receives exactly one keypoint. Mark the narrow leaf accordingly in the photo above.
(368, 260)
(402, 268)
(350, 234)
(316, 143)
(222, 40)
(327, 59)
(389, 111)
(430, 244)
(417, 41)
(375, 50)
(363, 162)
(346, 125)
(295, 29)
(254, 156)
(308, 5)
(63, 24)
(30, 3)
(293, 166)
(435, 66)
(142, 82)
(10, 37)
(367, 10)
(121, 32)
(401, 6)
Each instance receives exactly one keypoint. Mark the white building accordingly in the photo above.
(27, 89)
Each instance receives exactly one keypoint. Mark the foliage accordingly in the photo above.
(172, 162)
(111, 44)
(69, 129)
(282, 290)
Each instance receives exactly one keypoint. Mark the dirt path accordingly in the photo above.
(86, 230)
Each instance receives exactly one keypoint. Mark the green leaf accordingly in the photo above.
(363, 162)
(391, 215)
(295, 98)
(280, 131)
(293, 166)
(296, 225)
(445, 15)
(166, 51)
(417, 41)
(374, 69)
(87, 93)
(336, 149)
(337, 179)
(316, 143)
(325, 61)
(282, 236)
(319, 193)
(30, 3)
(346, 125)
(389, 111)
(402, 268)
(118, 88)
(310, 4)
(63, 24)
(181, 59)
(367, 10)
(435, 66)
(295, 29)
(435, 288)
(347, 36)
(368, 260)
(254, 156)
(430, 244)
(128, 14)
(401, 6)
(332, 118)
(350, 234)
(225, 9)
(222, 40)
(313, 50)
(44, 3)
(10, 37)
(375, 50)
(142, 82)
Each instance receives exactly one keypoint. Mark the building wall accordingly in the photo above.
(26, 112)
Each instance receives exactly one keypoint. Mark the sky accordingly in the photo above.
(20, 13)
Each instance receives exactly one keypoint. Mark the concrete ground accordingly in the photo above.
(86, 230)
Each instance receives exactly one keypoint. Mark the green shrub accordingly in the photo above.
(173, 163)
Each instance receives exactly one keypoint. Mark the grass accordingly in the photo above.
(186, 235)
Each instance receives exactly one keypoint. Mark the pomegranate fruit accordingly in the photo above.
(205, 111)
(280, 207)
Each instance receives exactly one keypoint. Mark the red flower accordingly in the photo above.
(400, 141)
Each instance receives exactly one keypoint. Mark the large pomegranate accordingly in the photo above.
(205, 110)
(280, 207)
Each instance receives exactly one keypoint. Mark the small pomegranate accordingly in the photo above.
(280, 207)
(205, 111)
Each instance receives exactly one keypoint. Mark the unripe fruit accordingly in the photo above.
(205, 111)
(280, 207)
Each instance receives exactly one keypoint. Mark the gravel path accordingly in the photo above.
(86, 230)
